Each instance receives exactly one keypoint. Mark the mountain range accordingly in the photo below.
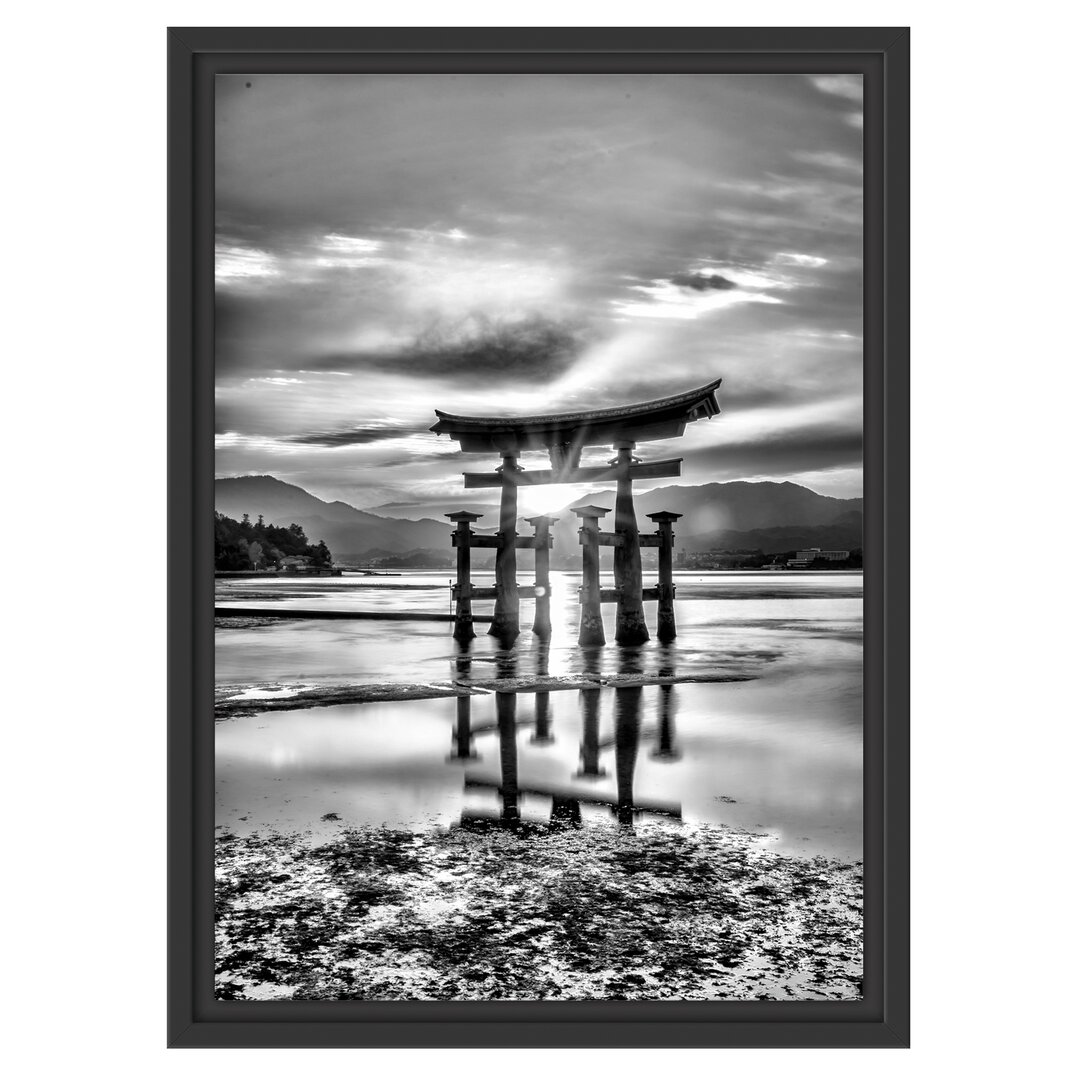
(739, 514)
(348, 532)
(773, 517)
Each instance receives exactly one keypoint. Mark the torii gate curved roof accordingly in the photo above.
(663, 418)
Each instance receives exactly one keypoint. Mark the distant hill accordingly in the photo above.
(348, 532)
(739, 514)
(779, 539)
(773, 517)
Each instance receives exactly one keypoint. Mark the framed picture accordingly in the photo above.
(538, 542)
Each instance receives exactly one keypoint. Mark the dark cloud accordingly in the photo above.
(228, 418)
(534, 349)
(357, 436)
(451, 458)
(239, 321)
(782, 453)
(734, 394)
(702, 282)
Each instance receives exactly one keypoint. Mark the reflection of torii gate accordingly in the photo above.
(566, 799)
(564, 435)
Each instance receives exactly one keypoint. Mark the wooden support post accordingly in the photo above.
(505, 664)
(542, 552)
(590, 734)
(462, 749)
(504, 621)
(666, 749)
(627, 735)
(542, 735)
(565, 813)
(463, 620)
(506, 712)
(630, 628)
(665, 609)
(591, 626)
(460, 666)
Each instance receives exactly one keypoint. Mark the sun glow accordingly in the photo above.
(550, 499)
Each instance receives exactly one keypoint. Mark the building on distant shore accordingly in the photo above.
(809, 555)
(742, 559)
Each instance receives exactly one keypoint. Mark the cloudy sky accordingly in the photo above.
(387, 245)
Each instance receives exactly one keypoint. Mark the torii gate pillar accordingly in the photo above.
(542, 576)
(463, 615)
(591, 626)
(630, 628)
(504, 620)
(665, 608)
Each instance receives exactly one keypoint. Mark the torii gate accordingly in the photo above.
(564, 435)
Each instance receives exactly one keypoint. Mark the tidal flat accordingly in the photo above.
(703, 913)
(400, 818)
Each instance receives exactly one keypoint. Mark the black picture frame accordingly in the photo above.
(195, 1019)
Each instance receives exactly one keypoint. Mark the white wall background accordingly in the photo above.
(995, 404)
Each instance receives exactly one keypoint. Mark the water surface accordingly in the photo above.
(779, 754)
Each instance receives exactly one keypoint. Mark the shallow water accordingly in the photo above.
(719, 615)
(780, 754)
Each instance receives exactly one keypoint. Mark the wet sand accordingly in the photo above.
(233, 701)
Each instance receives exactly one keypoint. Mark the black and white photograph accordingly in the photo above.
(538, 537)
(568, 580)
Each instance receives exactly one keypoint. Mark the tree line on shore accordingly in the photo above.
(756, 559)
(248, 545)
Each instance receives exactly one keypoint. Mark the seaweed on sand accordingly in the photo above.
(379, 914)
